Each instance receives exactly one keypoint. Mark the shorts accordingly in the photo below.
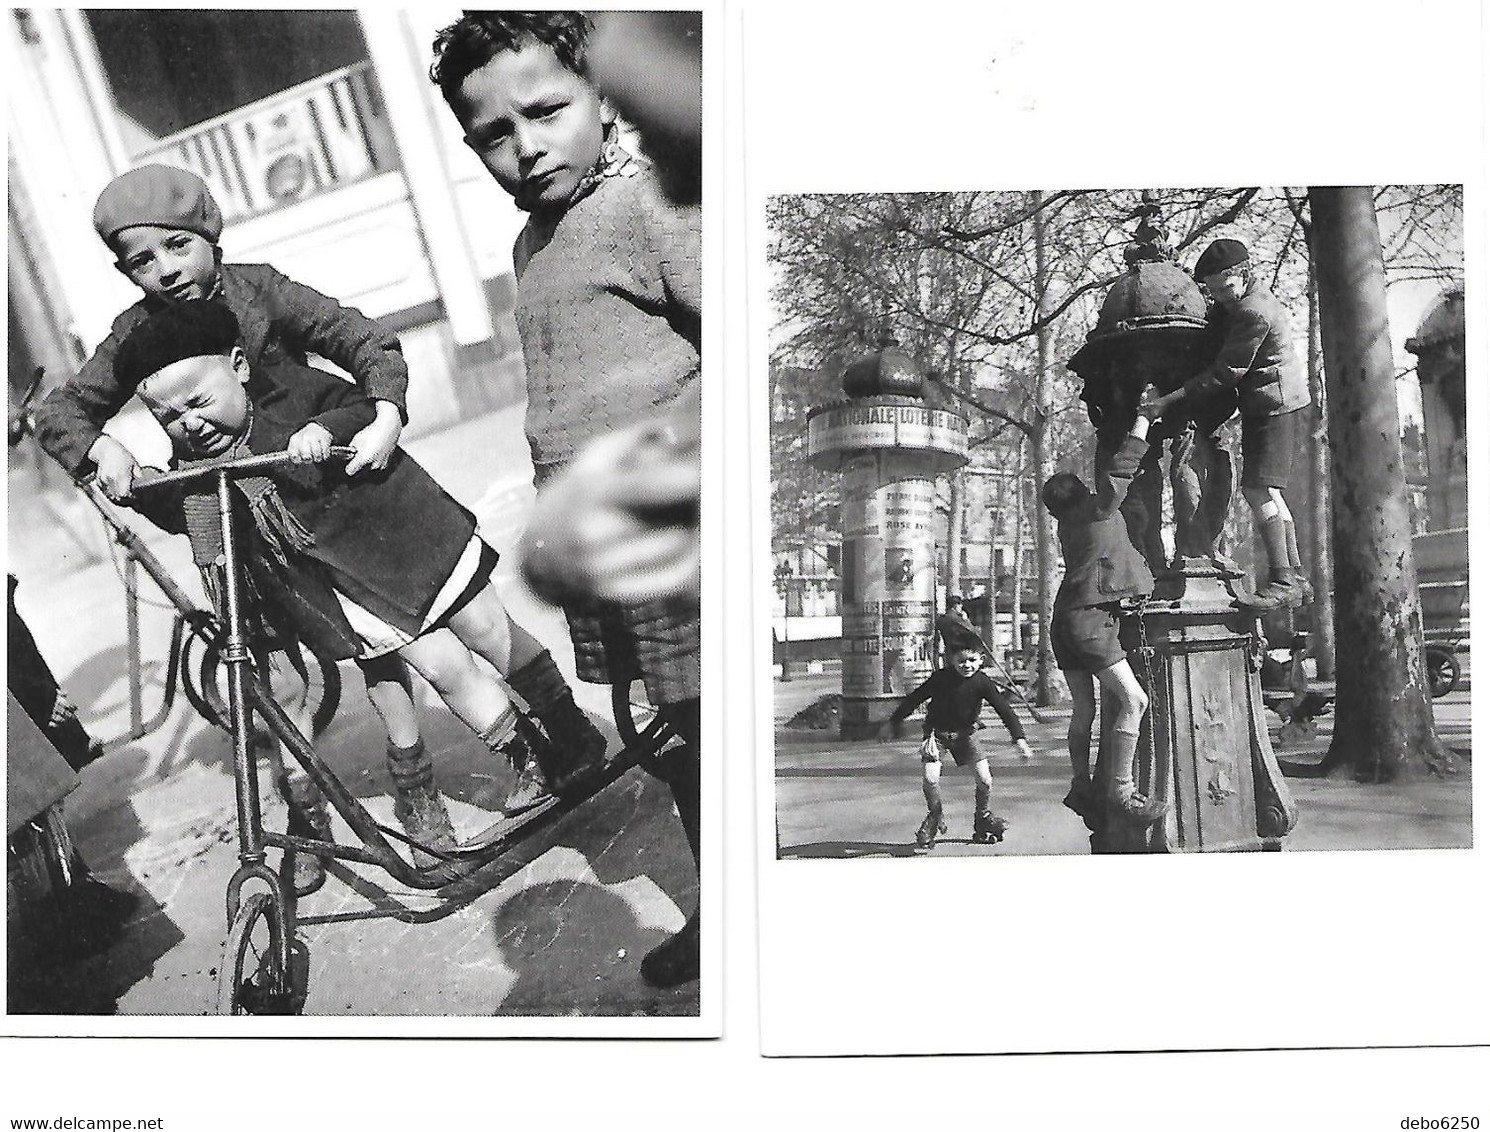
(656, 642)
(378, 638)
(1085, 639)
(1268, 445)
(962, 744)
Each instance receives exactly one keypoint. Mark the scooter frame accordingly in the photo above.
(255, 979)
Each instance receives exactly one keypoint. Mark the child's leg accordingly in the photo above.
(982, 786)
(475, 696)
(392, 698)
(676, 959)
(1079, 732)
(931, 783)
(308, 814)
(417, 803)
(1131, 702)
(578, 747)
(1268, 445)
(931, 790)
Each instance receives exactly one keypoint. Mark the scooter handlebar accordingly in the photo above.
(229, 464)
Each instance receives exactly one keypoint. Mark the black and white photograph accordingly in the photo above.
(1120, 521)
(1117, 496)
(747, 563)
(353, 513)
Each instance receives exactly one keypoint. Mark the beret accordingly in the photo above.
(160, 195)
(1221, 256)
(194, 328)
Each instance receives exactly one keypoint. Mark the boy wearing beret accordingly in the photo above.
(364, 565)
(162, 224)
(1257, 359)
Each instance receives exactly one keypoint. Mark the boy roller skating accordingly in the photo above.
(954, 697)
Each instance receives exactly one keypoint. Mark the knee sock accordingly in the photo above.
(1080, 747)
(932, 792)
(982, 795)
(1123, 748)
(679, 768)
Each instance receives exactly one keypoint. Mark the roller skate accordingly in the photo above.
(987, 829)
(933, 825)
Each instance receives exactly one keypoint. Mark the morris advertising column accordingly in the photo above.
(890, 445)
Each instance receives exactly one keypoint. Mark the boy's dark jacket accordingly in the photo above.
(280, 321)
(388, 539)
(1102, 564)
(1256, 358)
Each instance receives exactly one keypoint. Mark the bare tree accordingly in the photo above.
(1383, 719)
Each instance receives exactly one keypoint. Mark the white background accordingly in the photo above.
(875, 96)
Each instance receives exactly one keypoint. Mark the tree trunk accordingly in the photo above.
(1322, 573)
(1383, 717)
(1044, 556)
(1016, 568)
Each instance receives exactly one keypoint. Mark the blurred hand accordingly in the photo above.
(115, 466)
(375, 443)
(310, 445)
(620, 523)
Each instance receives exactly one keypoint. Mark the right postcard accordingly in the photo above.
(1117, 594)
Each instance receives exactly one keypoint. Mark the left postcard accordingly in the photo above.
(360, 424)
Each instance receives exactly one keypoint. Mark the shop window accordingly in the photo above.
(268, 107)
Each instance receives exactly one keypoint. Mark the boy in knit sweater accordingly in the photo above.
(608, 303)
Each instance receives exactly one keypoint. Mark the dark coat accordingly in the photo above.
(1257, 358)
(280, 320)
(387, 539)
(1102, 564)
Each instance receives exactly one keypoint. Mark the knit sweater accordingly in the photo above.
(955, 702)
(608, 303)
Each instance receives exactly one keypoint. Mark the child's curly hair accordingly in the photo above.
(471, 42)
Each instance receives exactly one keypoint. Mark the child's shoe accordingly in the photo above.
(308, 818)
(988, 829)
(417, 805)
(528, 788)
(1078, 799)
(576, 748)
(1135, 806)
(675, 960)
(933, 825)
